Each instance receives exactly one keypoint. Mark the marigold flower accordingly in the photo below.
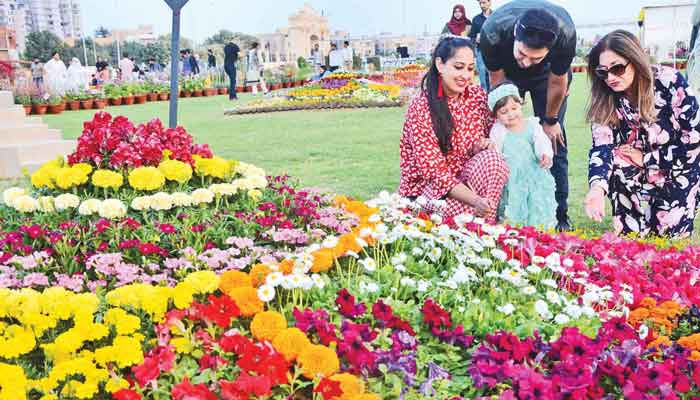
(258, 274)
(289, 342)
(247, 300)
(267, 324)
(103, 178)
(234, 279)
(146, 178)
(349, 384)
(323, 260)
(318, 361)
(286, 266)
(175, 170)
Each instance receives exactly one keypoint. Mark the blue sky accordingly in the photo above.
(201, 18)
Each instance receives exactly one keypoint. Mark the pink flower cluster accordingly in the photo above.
(117, 143)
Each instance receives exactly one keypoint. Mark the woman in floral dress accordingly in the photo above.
(646, 141)
(447, 161)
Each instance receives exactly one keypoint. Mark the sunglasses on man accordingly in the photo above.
(617, 70)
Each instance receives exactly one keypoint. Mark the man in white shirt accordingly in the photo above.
(347, 55)
(127, 68)
(336, 58)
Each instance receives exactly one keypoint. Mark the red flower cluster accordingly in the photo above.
(440, 321)
(118, 144)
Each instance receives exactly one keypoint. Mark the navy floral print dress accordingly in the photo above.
(659, 198)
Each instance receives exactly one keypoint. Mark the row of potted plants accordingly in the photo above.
(45, 103)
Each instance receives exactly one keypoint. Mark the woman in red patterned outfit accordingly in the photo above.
(447, 161)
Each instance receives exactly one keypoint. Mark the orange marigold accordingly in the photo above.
(286, 266)
(694, 355)
(323, 260)
(289, 342)
(647, 302)
(661, 341)
(349, 384)
(349, 242)
(258, 274)
(247, 300)
(366, 396)
(318, 361)
(638, 316)
(691, 342)
(234, 279)
(267, 324)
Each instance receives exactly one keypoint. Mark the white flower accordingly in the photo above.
(306, 282)
(542, 308)
(514, 263)
(499, 254)
(506, 309)
(352, 254)
(46, 204)
(533, 269)
(628, 297)
(330, 242)
(417, 252)
(406, 281)
(538, 260)
(9, 195)
(553, 260)
(224, 189)
(181, 199)
(89, 207)
(434, 254)
(476, 301)
(66, 201)
(400, 268)
(112, 209)
(369, 287)
(492, 274)
(266, 293)
(436, 219)
(463, 274)
(568, 263)
(643, 331)
(374, 218)
(588, 311)
(553, 297)
(590, 298)
(202, 196)
(25, 204)
(463, 219)
(399, 259)
(318, 281)
(550, 282)
(161, 201)
(574, 311)
(274, 279)
(368, 264)
(141, 203)
(423, 286)
(562, 319)
(529, 290)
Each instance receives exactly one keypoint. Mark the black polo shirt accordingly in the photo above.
(477, 24)
(498, 38)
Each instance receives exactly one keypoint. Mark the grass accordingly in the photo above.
(353, 152)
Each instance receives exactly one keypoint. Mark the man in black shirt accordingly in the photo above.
(533, 43)
(211, 59)
(475, 35)
(231, 51)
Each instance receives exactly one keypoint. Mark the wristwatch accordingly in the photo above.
(551, 120)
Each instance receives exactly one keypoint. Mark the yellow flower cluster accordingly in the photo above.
(54, 175)
(324, 93)
(13, 382)
(391, 90)
(215, 167)
(104, 178)
(267, 324)
(146, 178)
(176, 171)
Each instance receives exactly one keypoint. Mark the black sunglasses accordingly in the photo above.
(617, 70)
(539, 34)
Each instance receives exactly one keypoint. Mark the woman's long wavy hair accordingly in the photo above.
(440, 115)
(602, 103)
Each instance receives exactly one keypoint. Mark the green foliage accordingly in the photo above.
(301, 63)
(43, 44)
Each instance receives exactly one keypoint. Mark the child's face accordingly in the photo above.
(511, 113)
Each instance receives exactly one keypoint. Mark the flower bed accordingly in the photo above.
(336, 91)
(270, 291)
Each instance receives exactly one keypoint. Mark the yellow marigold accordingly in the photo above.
(43, 177)
(183, 295)
(203, 282)
(323, 260)
(247, 300)
(234, 279)
(15, 341)
(83, 167)
(661, 341)
(146, 178)
(366, 396)
(68, 177)
(289, 342)
(122, 321)
(258, 274)
(13, 382)
(215, 167)
(349, 243)
(116, 384)
(103, 178)
(182, 345)
(267, 324)
(318, 361)
(349, 384)
(176, 171)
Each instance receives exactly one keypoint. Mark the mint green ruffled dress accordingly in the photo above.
(528, 198)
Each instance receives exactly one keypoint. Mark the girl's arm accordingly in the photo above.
(543, 145)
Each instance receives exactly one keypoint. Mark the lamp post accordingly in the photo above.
(176, 6)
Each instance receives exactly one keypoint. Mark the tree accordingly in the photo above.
(221, 37)
(43, 44)
(102, 32)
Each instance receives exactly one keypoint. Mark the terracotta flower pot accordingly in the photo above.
(186, 94)
(86, 104)
(100, 104)
(211, 92)
(128, 100)
(140, 99)
(56, 108)
(223, 90)
(197, 93)
(27, 109)
(163, 96)
(287, 85)
(74, 105)
(116, 102)
(40, 109)
(153, 97)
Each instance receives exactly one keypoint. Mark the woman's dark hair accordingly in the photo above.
(439, 111)
(254, 45)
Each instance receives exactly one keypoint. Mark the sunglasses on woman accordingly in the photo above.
(617, 70)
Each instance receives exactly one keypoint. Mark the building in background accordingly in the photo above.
(142, 34)
(305, 29)
(60, 17)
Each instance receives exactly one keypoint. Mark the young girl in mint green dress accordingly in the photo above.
(528, 197)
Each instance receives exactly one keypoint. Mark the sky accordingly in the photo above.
(201, 18)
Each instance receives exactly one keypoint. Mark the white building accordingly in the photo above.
(60, 17)
(665, 26)
(71, 18)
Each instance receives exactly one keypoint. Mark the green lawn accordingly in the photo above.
(351, 151)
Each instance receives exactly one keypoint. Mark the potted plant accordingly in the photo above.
(140, 93)
(114, 93)
(197, 87)
(72, 101)
(100, 99)
(163, 91)
(40, 103)
(86, 101)
(187, 87)
(56, 105)
(150, 89)
(22, 95)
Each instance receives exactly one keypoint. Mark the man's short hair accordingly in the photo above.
(347, 43)
(537, 29)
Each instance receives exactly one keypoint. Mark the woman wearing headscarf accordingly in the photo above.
(459, 24)
(76, 77)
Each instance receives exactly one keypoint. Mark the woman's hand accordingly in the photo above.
(634, 155)
(481, 145)
(595, 203)
(482, 206)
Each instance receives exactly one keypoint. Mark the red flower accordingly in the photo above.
(187, 391)
(235, 344)
(347, 305)
(220, 310)
(126, 394)
(329, 389)
(211, 362)
(230, 391)
(167, 229)
(254, 385)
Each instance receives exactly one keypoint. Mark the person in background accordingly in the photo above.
(76, 78)
(137, 71)
(153, 66)
(459, 24)
(646, 141)
(55, 75)
(475, 35)
(231, 51)
(194, 60)
(347, 56)
(102, 75)
(186, 63)
(127, 67)
(254, 73)
(533, 43)
(316, 58)
(37, 69)
(211, 59)
(335, 58)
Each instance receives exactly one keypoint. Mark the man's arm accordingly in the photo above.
(557, 86)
